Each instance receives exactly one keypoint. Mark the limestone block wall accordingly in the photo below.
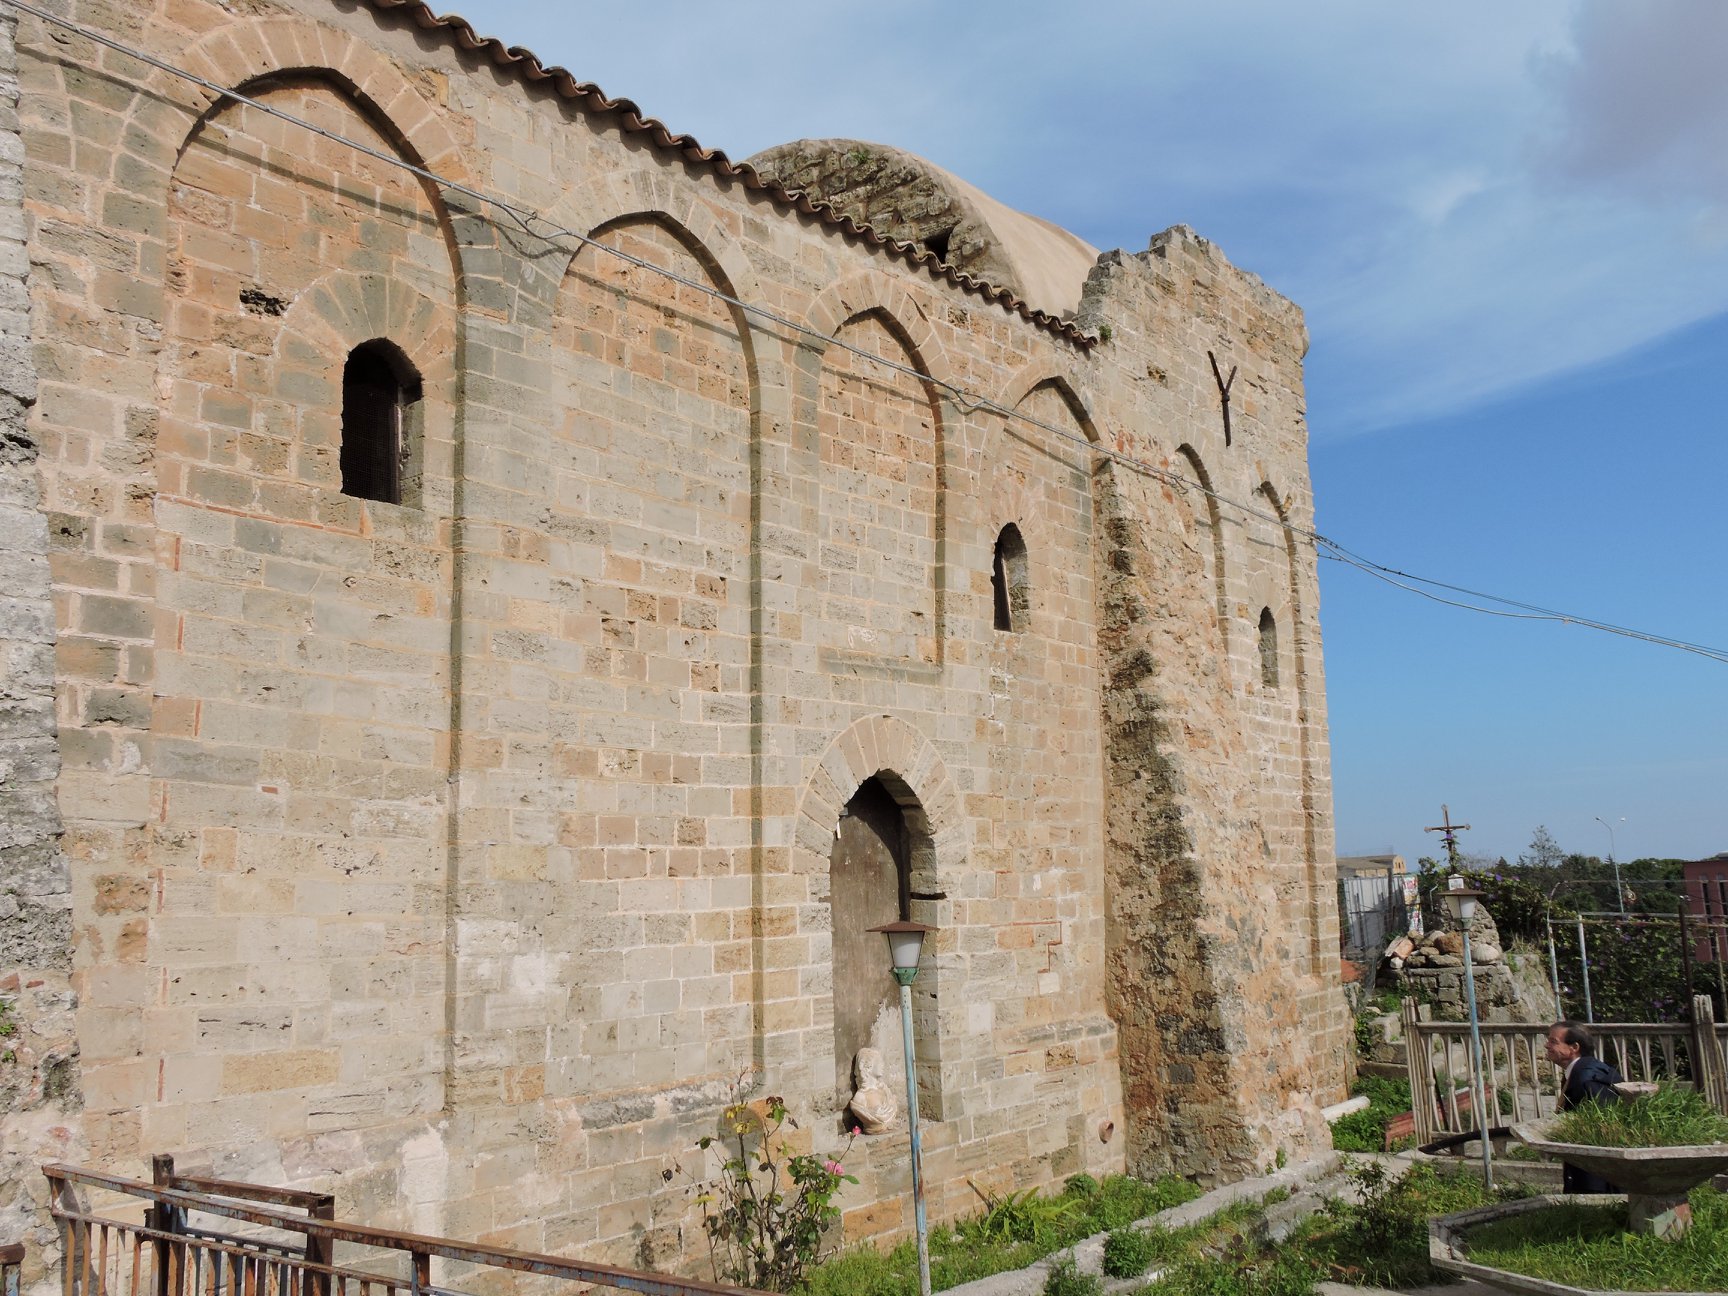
(1219, 798)
(39, 1080)
(464, 853)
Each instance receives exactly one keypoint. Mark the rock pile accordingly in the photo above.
(1431, 968)
(1445, 948)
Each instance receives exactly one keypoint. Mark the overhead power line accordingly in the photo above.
(537, 226)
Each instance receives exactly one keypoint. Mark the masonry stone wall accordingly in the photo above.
(39, 1080)
(464, 855)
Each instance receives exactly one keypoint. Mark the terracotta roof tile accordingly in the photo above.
(526, 65)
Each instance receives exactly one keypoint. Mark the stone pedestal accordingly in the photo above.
(1443, 988)
(1656, 1180)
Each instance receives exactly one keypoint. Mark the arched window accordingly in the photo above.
(1268, 649)
(1008, 580)
(378, 386)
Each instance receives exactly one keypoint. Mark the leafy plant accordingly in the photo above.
(1021, 1217)
(1365, 1131)
(8, 1028)
(766, 1214)
(1080, 1185)
(1367, 1031)
(1065, 1279)
(1673, 1116)
(1129, 1252)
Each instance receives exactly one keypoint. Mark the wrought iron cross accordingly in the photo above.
(1224, 385)
(1449, 834)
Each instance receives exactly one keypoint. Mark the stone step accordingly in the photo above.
(1398, 1070)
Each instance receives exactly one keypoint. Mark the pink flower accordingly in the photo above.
(834, 1168)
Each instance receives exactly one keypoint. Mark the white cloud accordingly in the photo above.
(1642, 100)
(1465, 198)
(1434, 198)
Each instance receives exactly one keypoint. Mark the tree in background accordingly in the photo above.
(1544, 851)
(1637, 969)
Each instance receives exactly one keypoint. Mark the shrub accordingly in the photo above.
(1367, 1030)
(1021, 1217)
(1129, 1252)
(1065, 1279)
(1384, 1238)
(1365, 1131)
(1080, 1185)
(766, 1214)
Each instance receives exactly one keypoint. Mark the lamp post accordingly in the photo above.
(1461, 904)
(1619, 891)
(905, 943)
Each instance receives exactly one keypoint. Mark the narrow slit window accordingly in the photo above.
(1008, 584)
(378, 387)
(1268, 649)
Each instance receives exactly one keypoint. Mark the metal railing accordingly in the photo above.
(288, 1250)
(1526, 1084)
(11, 1268)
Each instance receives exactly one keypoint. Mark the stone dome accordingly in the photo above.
(903, 196)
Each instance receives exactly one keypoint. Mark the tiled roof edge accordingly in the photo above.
(526, 65)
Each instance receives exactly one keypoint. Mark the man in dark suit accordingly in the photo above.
(1584, 1078)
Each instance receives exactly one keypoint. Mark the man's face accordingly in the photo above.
(1559, 1052)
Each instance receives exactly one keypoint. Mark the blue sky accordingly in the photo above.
(1508, 225)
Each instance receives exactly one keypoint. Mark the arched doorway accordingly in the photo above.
(870, 883)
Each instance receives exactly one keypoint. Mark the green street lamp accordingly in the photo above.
(905, 944)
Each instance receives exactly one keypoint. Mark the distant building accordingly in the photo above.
(1370, 866)
(1706, 883)
(1371, 903)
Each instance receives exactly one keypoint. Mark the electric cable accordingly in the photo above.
(537, 226)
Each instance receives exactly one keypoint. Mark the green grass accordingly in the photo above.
(1015, 1230)
(1588, 1246)
(1365, 1131)
(1226, 1255)
(1670, 1117)
(1265, 1274)
(1382, 1242)
(1122, 1199)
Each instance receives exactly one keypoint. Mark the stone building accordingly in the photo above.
(499, 597)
